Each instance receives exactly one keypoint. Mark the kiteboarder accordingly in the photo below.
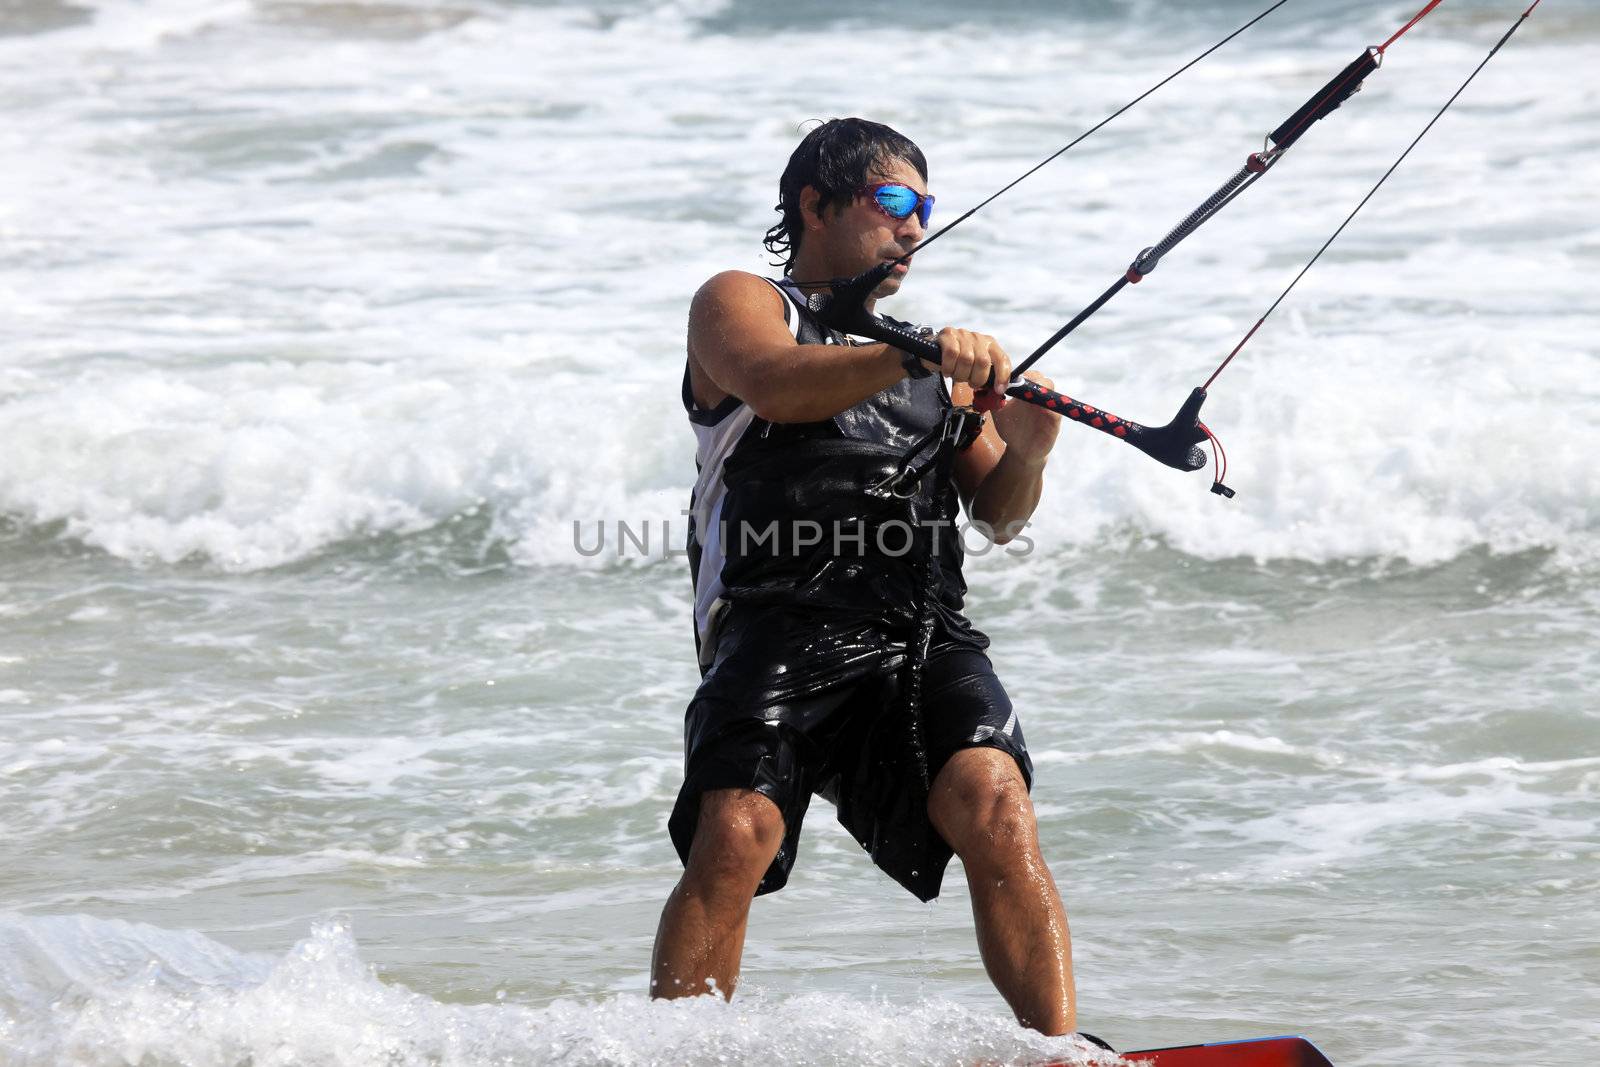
(825, 551)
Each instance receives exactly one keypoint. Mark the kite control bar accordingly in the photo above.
(1174, 444)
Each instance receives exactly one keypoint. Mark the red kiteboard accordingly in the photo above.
(1258, 1052)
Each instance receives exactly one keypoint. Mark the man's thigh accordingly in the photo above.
(965, 706)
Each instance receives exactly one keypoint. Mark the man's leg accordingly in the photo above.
(701, 936)
(979, 804)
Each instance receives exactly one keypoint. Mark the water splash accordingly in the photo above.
(85, 991)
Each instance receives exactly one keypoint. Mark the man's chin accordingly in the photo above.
(888, 287)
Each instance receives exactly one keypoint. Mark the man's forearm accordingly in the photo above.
(1009, 494)
(807, 383)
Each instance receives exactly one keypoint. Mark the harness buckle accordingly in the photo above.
(957, 429)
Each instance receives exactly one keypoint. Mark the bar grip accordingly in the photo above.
(876, 329)
(1173, 444)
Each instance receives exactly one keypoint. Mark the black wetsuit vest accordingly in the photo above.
(808, 516)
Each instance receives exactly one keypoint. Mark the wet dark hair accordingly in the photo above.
(835, 159)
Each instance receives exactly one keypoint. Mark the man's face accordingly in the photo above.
(859, 235)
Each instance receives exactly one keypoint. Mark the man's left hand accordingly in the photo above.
(1028, 429)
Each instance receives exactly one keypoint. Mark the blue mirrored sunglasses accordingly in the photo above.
(899, 201)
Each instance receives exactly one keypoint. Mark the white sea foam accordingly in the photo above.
(89, 992)
(335, 293)
(399, 288)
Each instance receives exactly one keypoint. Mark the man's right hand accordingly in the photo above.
(971, 358)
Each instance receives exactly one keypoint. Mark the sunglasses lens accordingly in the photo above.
(900, 201)
(897, 200)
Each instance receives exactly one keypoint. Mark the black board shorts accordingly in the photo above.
(798, 703)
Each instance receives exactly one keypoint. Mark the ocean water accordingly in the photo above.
(325, 739)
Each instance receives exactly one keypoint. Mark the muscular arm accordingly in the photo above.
(1001, 480)
(740, 346)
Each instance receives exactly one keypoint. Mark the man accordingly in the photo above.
(834, 654)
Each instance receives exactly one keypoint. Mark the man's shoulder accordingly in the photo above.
(738, 300)
(736, 285)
